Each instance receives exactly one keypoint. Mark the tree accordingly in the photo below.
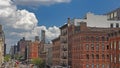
(38, 62)
(7, 58)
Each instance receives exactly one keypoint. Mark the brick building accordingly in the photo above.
(114, 41)
(56, 52)
(89, 46)
(33, 48)
(23, 48)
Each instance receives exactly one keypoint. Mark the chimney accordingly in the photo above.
(23, 39)
(117, 25)
(83, 26)
(111, 25)
(68, 21)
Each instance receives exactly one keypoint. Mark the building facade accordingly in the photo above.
(114, 41)
(33, 49)
(90, 47)
(23, 48)
(56, 53)
(2, 42)
(64, 46)
(114, 15)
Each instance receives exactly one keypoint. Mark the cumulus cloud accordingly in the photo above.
(39, 2)
(21, 23)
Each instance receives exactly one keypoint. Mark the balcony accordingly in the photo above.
(64, 49)
(63, 64)
(64, 57)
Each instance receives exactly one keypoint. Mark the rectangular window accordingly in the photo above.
(119, 57)
(119, 45)
(111, 45)
(97, 66)
(97, 47)
(103, 66)
(87, 65)
(115, 59)
(108, 66)
(92, 46)
(87, 47)
(92, 65)
(103, 47)
(111, 58)
(115, 45)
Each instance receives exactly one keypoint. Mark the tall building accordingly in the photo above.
(2, 42)
(49, 54)
(56, 57)
(23, 48)
(64, 46)
(33, 48)
(13, 51)
(89, 46)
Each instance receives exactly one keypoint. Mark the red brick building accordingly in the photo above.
(114, 40)
(33, 53)
(56, 52)
(90, 47)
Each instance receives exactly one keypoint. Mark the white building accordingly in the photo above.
(96, 20)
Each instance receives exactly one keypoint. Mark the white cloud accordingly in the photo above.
(39, 2)
(21, 23)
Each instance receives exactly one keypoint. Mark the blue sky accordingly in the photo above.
(57, 14)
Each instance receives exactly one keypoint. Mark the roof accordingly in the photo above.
(65, 25)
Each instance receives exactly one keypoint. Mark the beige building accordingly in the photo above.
(2, 41)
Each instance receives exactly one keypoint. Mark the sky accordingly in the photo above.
(26, 18)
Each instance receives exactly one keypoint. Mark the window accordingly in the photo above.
(97, 47)
(92, 39)
(115, 59)
(103, 66)
(92, 65)
(103, 38)
(103, 47)
(111, 58)
(97, 66)
(97, 56)
(115, 45)
(107, 56)
(115, 14)
(92, 56)
(87, 65)
(119, 45)
(108, 66)
(92, 46)
(107, 47)
(87, 47)
(111, 15)
(111, 45)
(87, 38)
(97, 38)
(103, 56)
(87, 56)
(119, 57)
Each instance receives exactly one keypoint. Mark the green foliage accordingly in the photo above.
(7, 58)
(38, 62)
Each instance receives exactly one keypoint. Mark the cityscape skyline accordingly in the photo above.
(47, 15)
